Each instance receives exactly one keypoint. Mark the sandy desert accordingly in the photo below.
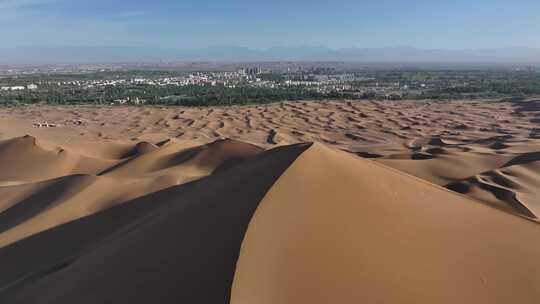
(293, 202)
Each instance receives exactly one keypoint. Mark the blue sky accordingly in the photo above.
(186, 24)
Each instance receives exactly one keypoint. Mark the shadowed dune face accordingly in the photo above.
(514, 188)
(30, 207)
(155, 206)
(176, 245)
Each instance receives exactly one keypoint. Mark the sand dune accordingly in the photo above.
(88, 186)
(336, 229)
(178, 244)
(407, 202)
(515, 188)
(23, 159)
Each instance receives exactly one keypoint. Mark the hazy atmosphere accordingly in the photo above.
(269, 152)
(315, 30)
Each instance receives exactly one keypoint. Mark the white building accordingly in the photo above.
(32, 86)
(17, 88)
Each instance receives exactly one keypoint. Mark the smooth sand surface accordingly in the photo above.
(337, 229)
(407, 202)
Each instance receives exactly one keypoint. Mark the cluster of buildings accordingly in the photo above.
(227, 79)
(321, 80)
(317, 80)
(19, 88)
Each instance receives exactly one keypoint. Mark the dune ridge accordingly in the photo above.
(379, 236)
(51, 189)
(187, 235)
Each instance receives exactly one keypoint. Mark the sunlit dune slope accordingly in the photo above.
(336, 229)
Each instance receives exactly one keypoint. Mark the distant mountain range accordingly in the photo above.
(70, 55)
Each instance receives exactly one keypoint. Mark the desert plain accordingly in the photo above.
(292, 202)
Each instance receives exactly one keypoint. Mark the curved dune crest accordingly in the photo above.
(177, 245)
(24, 159)
(336, 229)
(515, 188)
(89, 185)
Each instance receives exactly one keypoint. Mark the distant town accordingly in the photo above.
(200, 84)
